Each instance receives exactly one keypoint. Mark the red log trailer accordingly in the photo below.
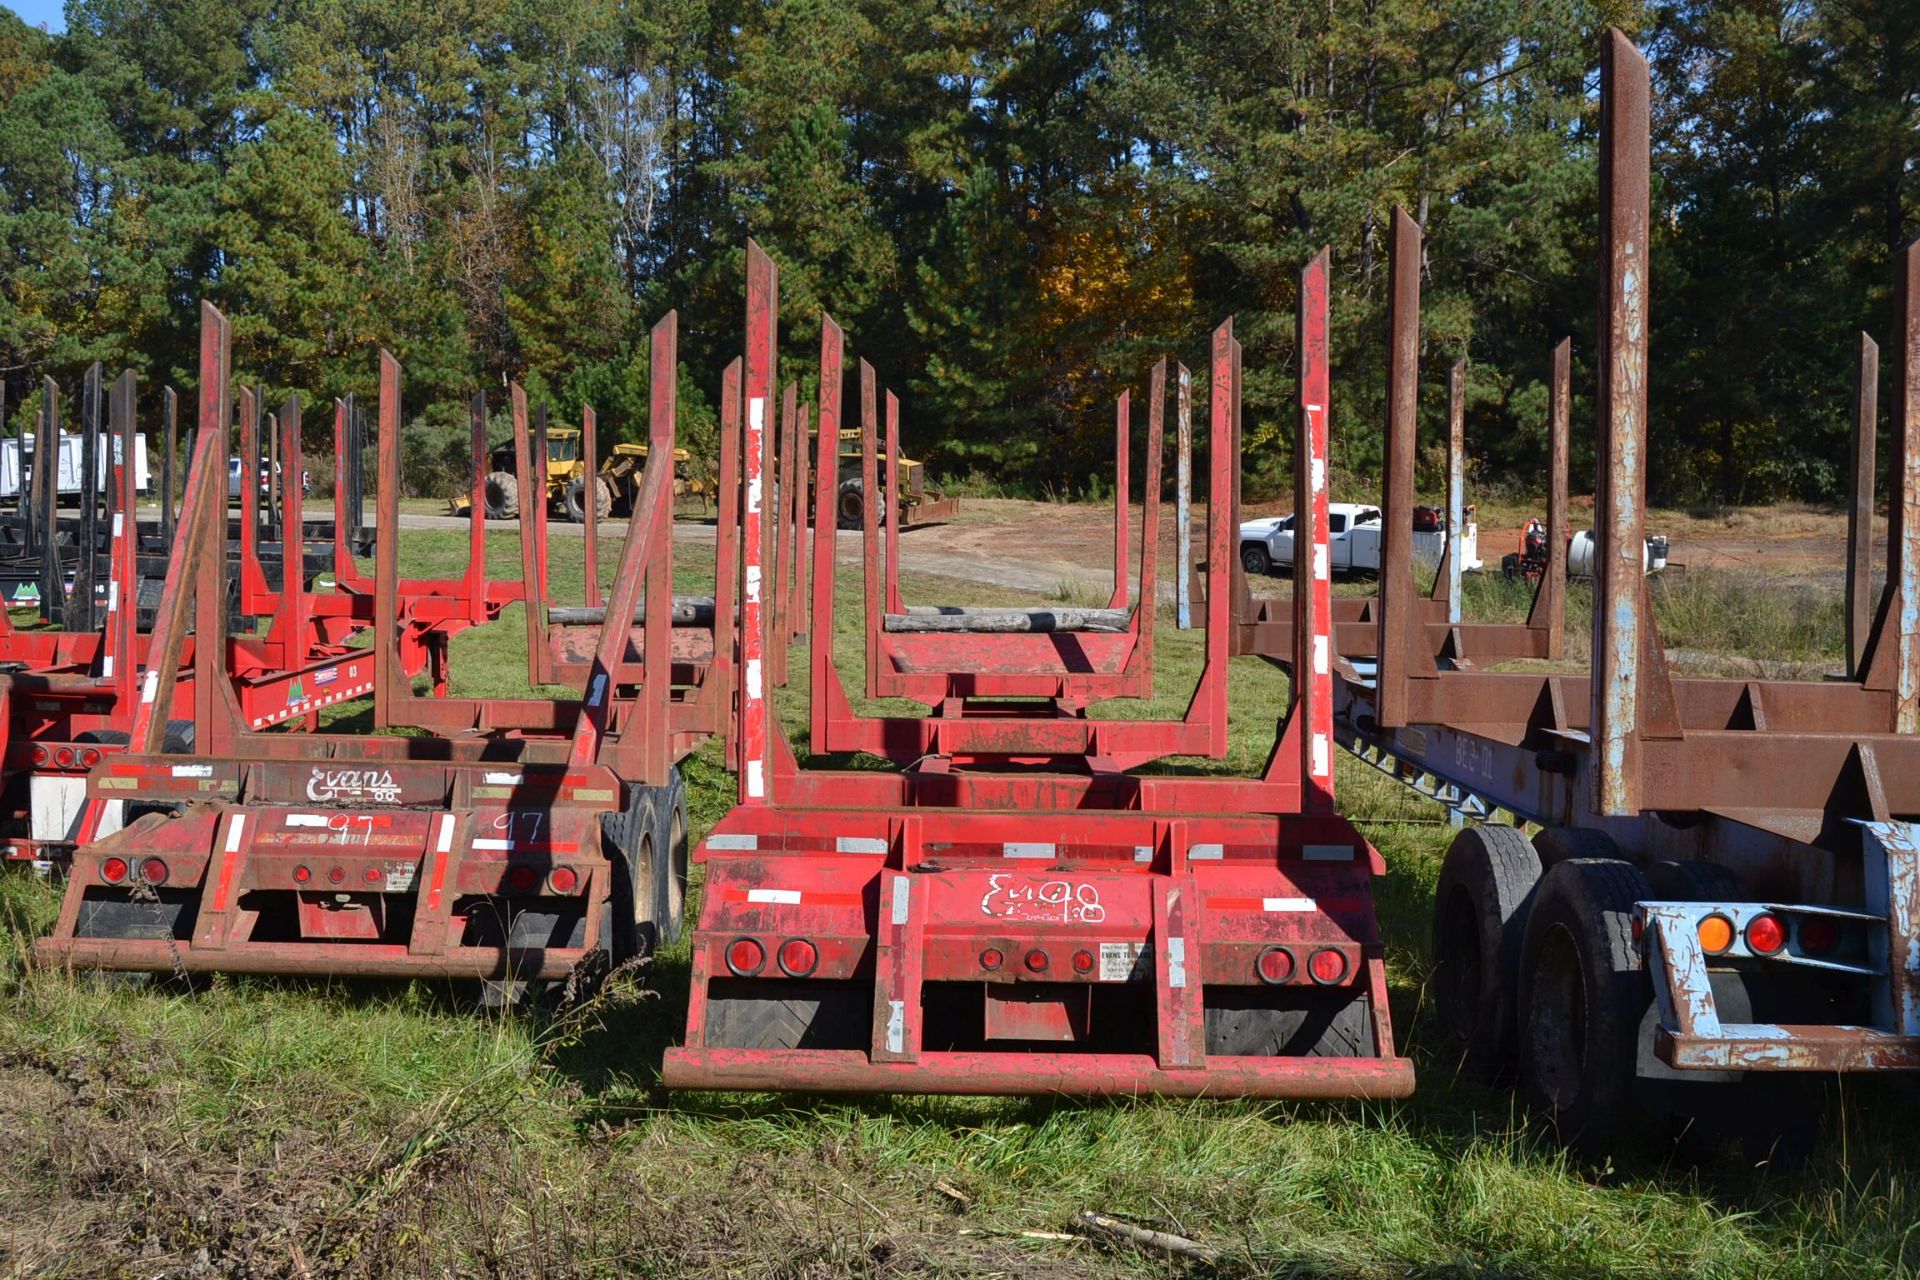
(1012, 911)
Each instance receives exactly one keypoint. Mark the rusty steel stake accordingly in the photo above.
(1866, 416)
(1904, 537)
(1400, 633)
(1550, 600)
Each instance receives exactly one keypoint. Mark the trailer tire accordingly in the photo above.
(1556, 845)
(1337, 1024)
(1582, 998)
(789, 1015)
(627, 838)
(502, 494)
(670, 859)
(850, 507)
(1255, 560)
(1480, 907)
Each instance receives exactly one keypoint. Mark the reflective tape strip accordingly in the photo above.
(857, 844)
(896, 1026)
(306, 819)
(1027, 849)
(1206, 853)
(192, 771)
(1143, 853)
(778, 897)
(1176, 962)
(1288, 904)
(901, 891)
(753, 678)
(733, 842)
(502, 779)
(493, 844)
(445, 842)
(234, 831)
(1328, 853)
(756, 780)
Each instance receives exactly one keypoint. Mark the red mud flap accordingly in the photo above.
(397, 893)
(1015, 967)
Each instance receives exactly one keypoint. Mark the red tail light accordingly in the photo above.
(991, 959)
(798, 958)
(1274, 966)
(746, 957)
(89, 757)
(336, 874)
(522, 879)
(1327, 966)
(302, 874)
(63, 756)
(113, 870)
(1766, 936)
(1819, 936)
(153, 871)
(371, 875)
(563, 880)
(1036, 961)
(1083, 962)
(40, 756)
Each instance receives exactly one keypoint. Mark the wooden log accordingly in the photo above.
(956, 619)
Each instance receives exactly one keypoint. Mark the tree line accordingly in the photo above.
(1012, 209)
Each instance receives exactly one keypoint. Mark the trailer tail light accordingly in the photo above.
(153, 871)
(113, 870)
(1715, 933)
(1766, 936)
(1083, 962)
(798, 957)
(371, 875)
(1327, 966)
(1819, 936)
(1036, 961)
(89, 757)
(991, 959)
(40, 756)
(1274, 966)
(522, 879)
(745, 957)
(563, 880)
(336, 874)
(63, 756)
(302, 874)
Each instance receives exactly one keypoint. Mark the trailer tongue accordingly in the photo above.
(1012, 911)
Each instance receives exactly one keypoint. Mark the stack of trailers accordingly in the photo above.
(524, 840)
(1723, 897)
(1011, 910)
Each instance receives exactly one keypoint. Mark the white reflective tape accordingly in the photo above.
(753, 496)
(1322, 751)
(192, 771)
(776, 897)
(598, 691)
(119, 523)
(502, 779)
(1176, 962)
(1027, 849)
(1319, 560)
(753, 584)
(151, 687)
(756, 780)
(753, 678)
(306, 820)
(106, 665)
(1316, 470)
(902, 887)
(1143, 853)
(896, 1026)
(859, 844)
(1328, 853)
(234, 832)
(1288, 904)
(1206, 853)
(113, 596)
(757, 412)
(733, 842)
(490, 843)
(1320, 662)
(445, 842)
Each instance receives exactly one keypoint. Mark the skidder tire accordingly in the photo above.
(851, 505)
(502, 493)
(1582, 998)
(574, 501)
(602, 498)
(1479, 924)
(670, 856)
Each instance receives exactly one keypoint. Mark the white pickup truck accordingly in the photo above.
(1353, 539)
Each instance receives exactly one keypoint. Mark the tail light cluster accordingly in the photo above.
(1279, 965)
(795, 957)
(64, 756)
(1768, 934)
(118, 870)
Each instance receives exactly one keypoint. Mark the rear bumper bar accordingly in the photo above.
(1770, 1047)
(1022, 1074)
(312, 959)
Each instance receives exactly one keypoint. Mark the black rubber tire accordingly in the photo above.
(1556, 845)
(627, 838)
(1694, 882)
(502, 493)
(782, 1014)
(1486, 885)
(850, 507)
(1582, 999)
(573, 500)
(670, 858)
(1255, 560)
(1334, 1024)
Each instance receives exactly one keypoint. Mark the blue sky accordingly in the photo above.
(38, 12)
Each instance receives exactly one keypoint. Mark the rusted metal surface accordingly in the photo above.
(1399, 645)
(1866, 424)
(1456, 487)
(1549, 611)
(1904, 537)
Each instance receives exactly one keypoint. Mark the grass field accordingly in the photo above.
(308, 1129)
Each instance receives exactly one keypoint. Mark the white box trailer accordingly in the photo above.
(71, 457)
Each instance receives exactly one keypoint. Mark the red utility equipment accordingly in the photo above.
(1013, 912)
